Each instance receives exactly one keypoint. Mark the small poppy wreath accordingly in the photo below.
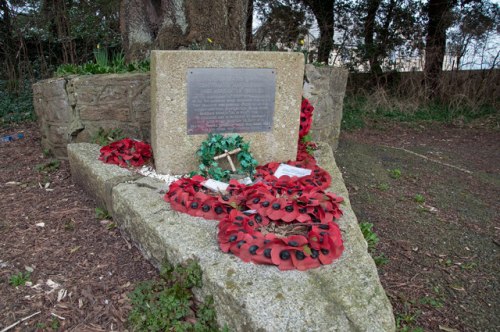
(126, 152)
(217, 144)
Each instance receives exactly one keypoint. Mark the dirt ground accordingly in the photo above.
(443, 253)
(442, 264)
(82, 269)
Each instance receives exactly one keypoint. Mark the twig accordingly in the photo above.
(57, 316)
(20, 321)
(427, 158)
(128, 243)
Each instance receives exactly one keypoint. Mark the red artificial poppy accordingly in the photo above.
(302, 260)
(126, 152)
(281, 255)
(275, 210)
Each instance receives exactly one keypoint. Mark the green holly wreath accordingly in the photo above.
(217, 145)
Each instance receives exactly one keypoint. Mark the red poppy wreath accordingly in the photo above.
(126, 152)
(287, 221)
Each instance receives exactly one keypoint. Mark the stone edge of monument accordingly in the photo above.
(175, 150)
(344, 296)
(96, 178)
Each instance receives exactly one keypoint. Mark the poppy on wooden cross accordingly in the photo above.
(227, 154)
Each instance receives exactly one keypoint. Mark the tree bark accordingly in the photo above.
(174, 24)
(439, 12)
(323, 11)
(369, 31)
(7, 42)
(249, 26)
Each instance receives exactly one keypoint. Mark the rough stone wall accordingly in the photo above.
(325, 89)
(72, 109)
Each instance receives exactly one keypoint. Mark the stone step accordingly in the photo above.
(344, 296)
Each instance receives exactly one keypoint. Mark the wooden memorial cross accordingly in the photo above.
(228, 155)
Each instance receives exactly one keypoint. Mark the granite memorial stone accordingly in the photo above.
(254, 94)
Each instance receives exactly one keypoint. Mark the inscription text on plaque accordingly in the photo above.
(230, 100)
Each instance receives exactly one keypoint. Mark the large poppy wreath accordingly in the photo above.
(288, 222)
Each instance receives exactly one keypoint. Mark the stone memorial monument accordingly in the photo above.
(254, 94)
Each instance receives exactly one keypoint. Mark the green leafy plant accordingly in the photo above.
(111, 226)
(116, 66)
(19, 279)
(468, 266)
(55, 324)
(69, 225)
(40, 325)
(107, 136)
(217, 144)
(307, 138)
(419, 198)
(380, 260)
(383, 186)
(101, 56)
(434, 302)
(102, 214)
(168, 303)
(49, 167)
(372, 239)
(395, 173)
(405, 320)
(370, 236)
(16, 105)
(47, 153)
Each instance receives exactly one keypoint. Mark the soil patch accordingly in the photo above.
(82, 267)
(431, 191)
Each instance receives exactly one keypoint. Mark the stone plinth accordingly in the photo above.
(175, 150)
(325, 89)
(344, 296)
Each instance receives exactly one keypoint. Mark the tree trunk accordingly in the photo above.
(174, 24)
(249, 26)
(323, 11)
(7, 43)
(439, 12)
(369, 28)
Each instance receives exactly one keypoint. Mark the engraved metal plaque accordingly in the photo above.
(230, 100)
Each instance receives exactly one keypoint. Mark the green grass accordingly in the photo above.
(19, 279)
(419, 198)
(395, 173)
(107, 136)
(16, 106)
(383, 186)
(49, 167)
(102, 214)
(359, 110)
(168, 304)
(433, 302)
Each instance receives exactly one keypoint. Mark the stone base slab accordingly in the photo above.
(344, 296)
